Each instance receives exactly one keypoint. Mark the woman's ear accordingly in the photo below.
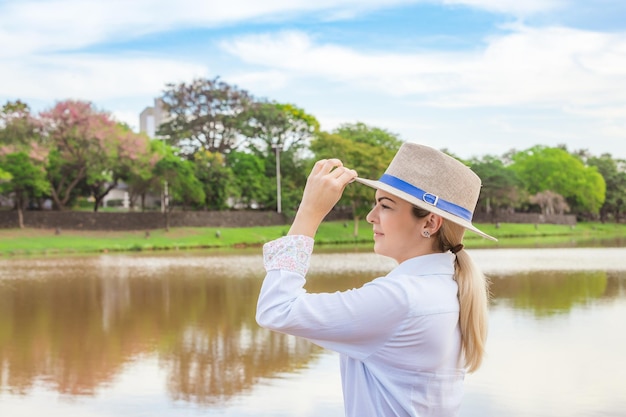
(433, 223)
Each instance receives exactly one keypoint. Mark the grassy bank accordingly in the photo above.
(42, 241)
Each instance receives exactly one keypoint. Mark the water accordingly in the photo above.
(174, 335)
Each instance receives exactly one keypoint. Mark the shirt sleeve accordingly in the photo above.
(355, 322)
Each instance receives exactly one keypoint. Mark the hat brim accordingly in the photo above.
(422, 204)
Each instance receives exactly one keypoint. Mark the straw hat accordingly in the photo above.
(434, 181)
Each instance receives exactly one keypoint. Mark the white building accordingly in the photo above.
(151, 118)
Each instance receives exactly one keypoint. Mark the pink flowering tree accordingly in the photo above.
(88, 150)
(129, 156)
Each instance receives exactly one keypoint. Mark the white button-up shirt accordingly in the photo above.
(398, 336)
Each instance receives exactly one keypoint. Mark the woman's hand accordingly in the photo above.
(323, 189)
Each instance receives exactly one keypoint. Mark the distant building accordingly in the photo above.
(149, 121)
(151, 118)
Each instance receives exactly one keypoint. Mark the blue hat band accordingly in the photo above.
(428, 198)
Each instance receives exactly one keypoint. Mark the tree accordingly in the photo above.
(387, 142)
(26, 180)
(184, 187)
(82, 141)
(273, 124)
(542, 168)
(216, 179)
(204, 115)
(614, 173)
(281, 131)
(501, 189)
(368, 150)
(249, 177)
(550, 202)
(18, 128)
(127, 154)
(22, 156)
(142, 179)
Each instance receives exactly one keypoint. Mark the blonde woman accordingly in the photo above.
(405, 339)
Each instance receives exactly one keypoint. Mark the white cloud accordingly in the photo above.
(555, 67)
(36, 25)
(564, 81)
(92, 77)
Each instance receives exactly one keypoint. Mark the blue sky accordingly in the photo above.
(476, 77)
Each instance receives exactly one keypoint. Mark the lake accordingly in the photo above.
(173, 334)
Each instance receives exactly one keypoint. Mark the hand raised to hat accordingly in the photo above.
(323, 189)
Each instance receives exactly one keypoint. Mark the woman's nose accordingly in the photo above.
(370, 216)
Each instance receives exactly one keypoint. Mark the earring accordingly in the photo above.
(426, 234)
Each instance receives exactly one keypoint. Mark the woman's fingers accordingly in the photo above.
(329, 171)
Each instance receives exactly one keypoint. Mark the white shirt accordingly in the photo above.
(398, 336)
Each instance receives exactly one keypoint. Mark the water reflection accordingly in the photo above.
(77, 326)
(75, 329)
(553, 292)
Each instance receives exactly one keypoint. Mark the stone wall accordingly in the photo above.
(531, 218)
(82, 220)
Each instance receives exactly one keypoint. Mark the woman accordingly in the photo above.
(406, 339)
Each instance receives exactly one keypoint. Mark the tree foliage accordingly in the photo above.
(22, 158)
(88, 150)
(542, 168)
(81, 141)
(614, 173)
(501, 189)
(126, 157)
(368, 150)
(204, 115)
(27, 180)
(216, 178)
(219, 149)
(249, 178)
(274, 124)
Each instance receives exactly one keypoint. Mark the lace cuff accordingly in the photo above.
(291, 253)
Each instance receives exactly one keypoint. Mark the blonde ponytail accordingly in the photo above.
(473, 291)
(473, 297)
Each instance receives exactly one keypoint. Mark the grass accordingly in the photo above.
(44, 241)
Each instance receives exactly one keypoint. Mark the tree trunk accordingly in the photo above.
(19, 206)
(20, 216)
(99, 197)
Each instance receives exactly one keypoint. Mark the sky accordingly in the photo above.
(475, 77)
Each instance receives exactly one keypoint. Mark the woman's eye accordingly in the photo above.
(384, 206)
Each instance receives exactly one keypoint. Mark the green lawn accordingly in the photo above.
(45, 241)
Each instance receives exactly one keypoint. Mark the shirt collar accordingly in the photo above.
(432, 264)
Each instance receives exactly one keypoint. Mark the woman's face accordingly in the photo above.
(397, 232)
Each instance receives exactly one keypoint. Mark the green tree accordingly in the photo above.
(249, 177)
(142, 179)
(281, 131)
(368, 150)
(501, 189)
(19, 129)
(542, 168)
(27, 179)
(22, 156)
(274, 124)
(183, 186)
(614, 173)
(204, 115)
(216, 179)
